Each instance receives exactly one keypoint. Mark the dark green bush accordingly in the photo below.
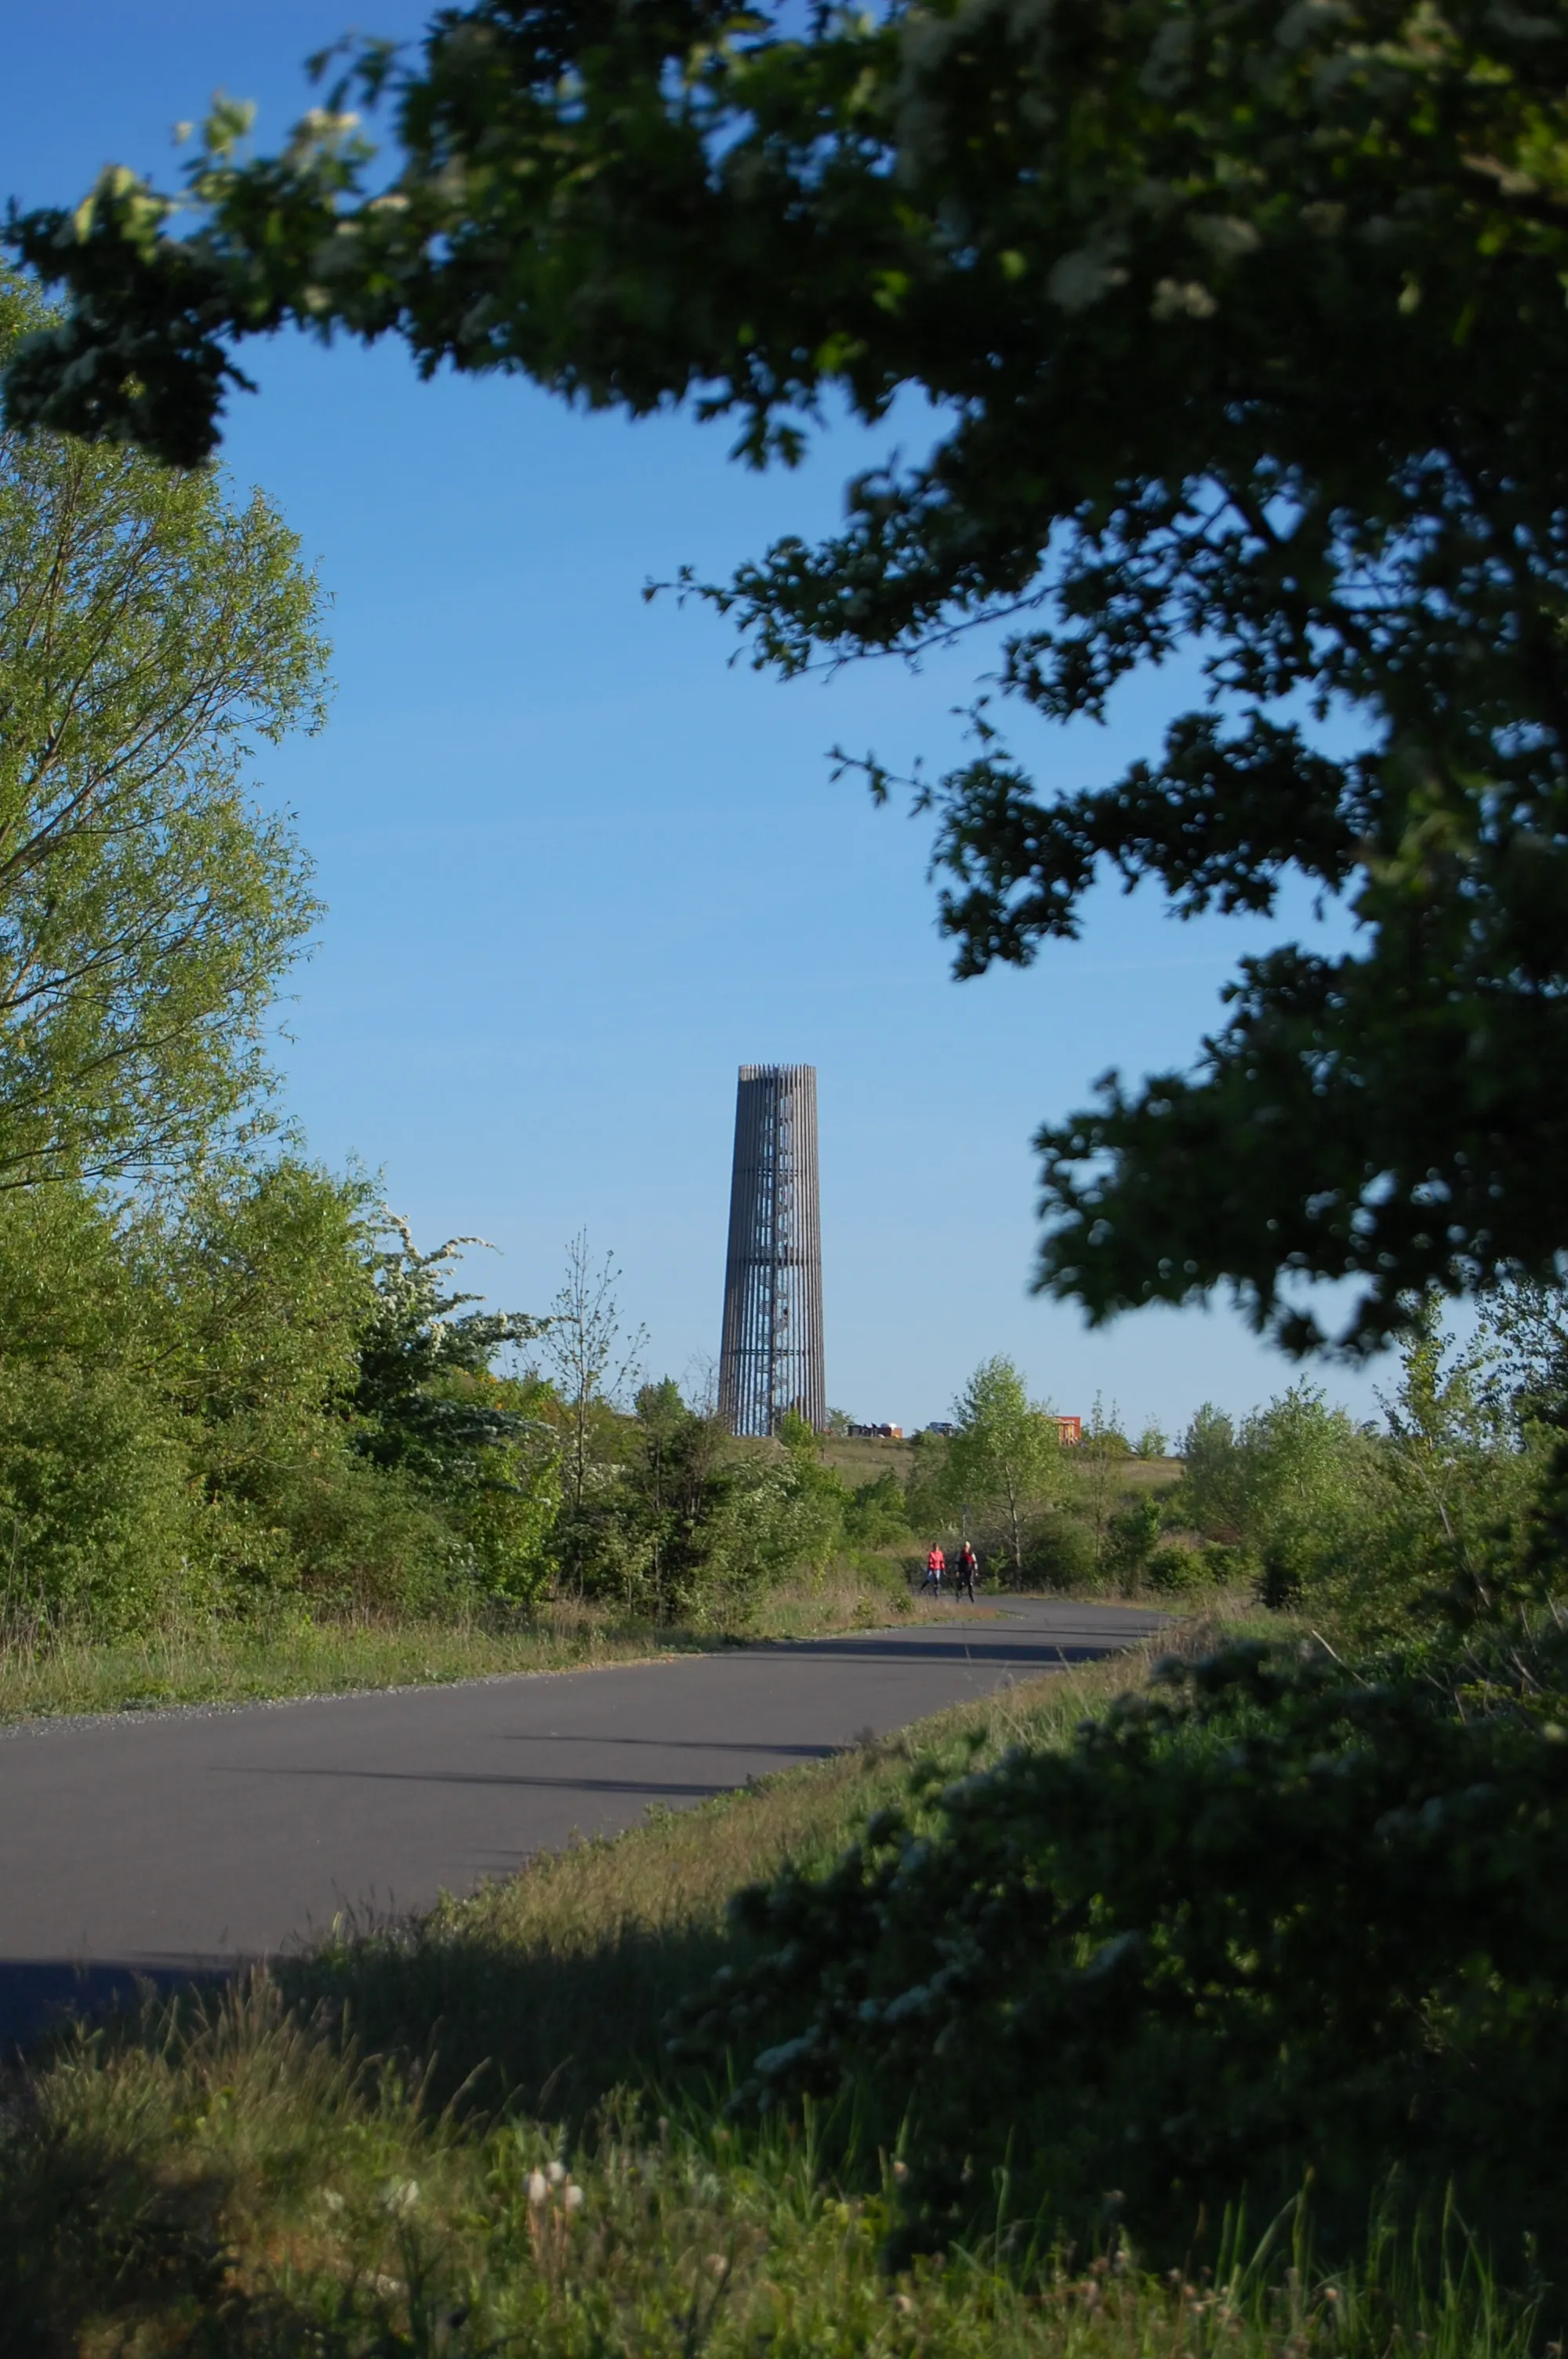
(1228, 1567)
(1177, 1571)
(680, 1519)
(878, 1512)
(1268, 1919)
(1132, 1537)
(1059, 1554)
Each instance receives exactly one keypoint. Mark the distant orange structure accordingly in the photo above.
(1069, 1429)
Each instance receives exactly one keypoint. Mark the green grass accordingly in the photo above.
(229, 1663)
(861, 1460)
(862, 1457)
(377, 2152)
(242, 2191)
(226, 1662)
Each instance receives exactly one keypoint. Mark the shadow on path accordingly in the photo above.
(38, 1995)
(673, 1744)
(658, 1788)
(1044, 1653)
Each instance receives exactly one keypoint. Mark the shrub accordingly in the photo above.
(1177, 1571)
(96, 1522)
(1213, 1489)
(769, 1519)
(1231, 1568)
(508, 1519)
(186, 1420)
(351, 1538)
(878, 1513)
(678, 1518)
(1294, 1487)
(1060, 1553)
(1132, 1539)
(1267, 1920)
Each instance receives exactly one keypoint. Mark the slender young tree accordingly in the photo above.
(1005, 1457)
(592, 1358)
(1098, 1457)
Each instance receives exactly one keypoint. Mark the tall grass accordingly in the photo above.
(238, 2188)
(225, 1662)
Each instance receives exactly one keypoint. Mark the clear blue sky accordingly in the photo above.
(578, 867)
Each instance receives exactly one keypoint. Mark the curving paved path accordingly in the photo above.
(176, 1843)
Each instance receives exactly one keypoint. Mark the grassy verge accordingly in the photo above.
(369, 2156)
(237, 1663)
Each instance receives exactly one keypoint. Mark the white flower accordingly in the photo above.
(401, 2196)
(1179, 298)
(538, 2189)
(1075, 280)
(1224, 235)
(555, 2172)
(574, 2198)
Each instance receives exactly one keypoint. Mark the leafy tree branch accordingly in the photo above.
(1245, 333)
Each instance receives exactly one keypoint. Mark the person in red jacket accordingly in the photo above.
(935, 1566)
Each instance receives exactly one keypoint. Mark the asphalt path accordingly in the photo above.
(176, 1843)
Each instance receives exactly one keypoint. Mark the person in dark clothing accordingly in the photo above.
(968, 1566)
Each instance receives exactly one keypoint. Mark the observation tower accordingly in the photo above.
(770, 1360)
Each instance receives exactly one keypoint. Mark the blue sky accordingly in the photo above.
(579, 866)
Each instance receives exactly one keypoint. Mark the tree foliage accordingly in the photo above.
(415, 1401)
(221, 1389)
(226, 1398)
(1291, 1486)
(149, 628)
(1003, 1460)
(1446, 1498)
(250, 1393)
(1246, 328)
(427, 1404)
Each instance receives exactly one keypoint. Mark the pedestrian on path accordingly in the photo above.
(968, 1566)
(935, 1566)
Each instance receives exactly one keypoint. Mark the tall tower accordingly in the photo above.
(770, 1360)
